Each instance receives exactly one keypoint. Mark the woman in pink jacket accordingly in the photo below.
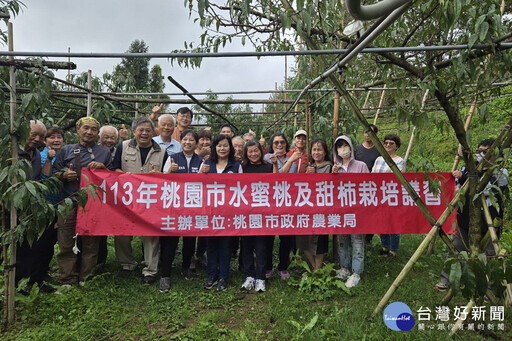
(344, 162)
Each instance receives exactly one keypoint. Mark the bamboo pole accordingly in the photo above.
(136, 109)
(380, 102)
(495, 244)
(421, 248)
(89, 93)
(467, 311)
(10, 267)
(456, 162)
(413, 134)
(466, 127)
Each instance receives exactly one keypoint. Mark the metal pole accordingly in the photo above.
(10, 270)
(188, 55)
(89, 93)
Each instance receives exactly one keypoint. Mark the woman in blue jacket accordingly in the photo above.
(222, 160)
(186, 161)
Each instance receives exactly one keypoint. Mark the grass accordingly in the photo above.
(115, 306)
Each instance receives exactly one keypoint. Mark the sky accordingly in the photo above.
(164, 25)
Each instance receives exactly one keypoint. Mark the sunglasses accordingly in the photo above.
(276, 143)
(389, 143)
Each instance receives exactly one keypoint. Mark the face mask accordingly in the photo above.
(344, 152)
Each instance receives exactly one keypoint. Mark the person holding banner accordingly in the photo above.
(69, 163)
(255, 246)
(218, 251)
(186, 161)
(316, 246)
(390, 242)
(140, 155)
(278, 147)
(344, 162)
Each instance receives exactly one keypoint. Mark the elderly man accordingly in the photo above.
(142, 155)
(68, 164)
(166, 128)
(25, 254)
(108, 138)
(238, 146)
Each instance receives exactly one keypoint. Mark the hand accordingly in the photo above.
(51, 153)
(295, 156)
(157, 109)
(262, 140)
(335, 168)
(205, 151)
(173, 168)
(154, 169)
(310, 169)
(96, 165)
(457, 174)
(70, 174)
(205, 168)
(273, 159)
(123, 133)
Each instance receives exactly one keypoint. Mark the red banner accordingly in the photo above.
(258, 204)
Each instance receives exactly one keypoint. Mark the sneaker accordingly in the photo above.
(187, 274)
(343, 274)
(260, 285)
(284, 275)
(441, 286)
(352, 281)
(165, 284)
(210, 283)
(248, 284)
(268, 274)
(223, 285)
(148, 280)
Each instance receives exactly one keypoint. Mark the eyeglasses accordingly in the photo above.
(276, 143)
(389, 143)
(482, 151)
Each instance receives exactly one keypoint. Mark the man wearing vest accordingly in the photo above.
(140, 155)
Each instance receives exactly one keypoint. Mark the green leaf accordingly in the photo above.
(455, 275)
(31, 188)
(312, 323)
(484, 28)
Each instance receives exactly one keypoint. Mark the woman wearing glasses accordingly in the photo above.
(282, 163)
(390, 242)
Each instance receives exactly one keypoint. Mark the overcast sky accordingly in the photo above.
(111, 25)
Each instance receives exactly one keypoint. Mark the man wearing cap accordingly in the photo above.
(299, 154)
(68, 164)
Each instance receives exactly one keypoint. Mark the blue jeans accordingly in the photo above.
(390, 241)
(218, 257)
(357, 251)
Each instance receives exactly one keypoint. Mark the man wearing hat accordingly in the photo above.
(299, 154)
(69, 162)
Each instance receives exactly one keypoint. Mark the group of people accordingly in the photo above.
(162, 143)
